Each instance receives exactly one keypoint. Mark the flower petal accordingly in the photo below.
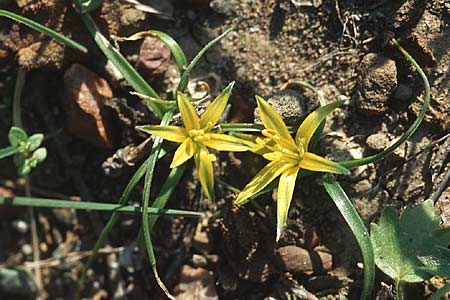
(215, 109)
(261, 180)
(271, 119)
(317, 163)
(183, 153)
(312, 122)
(284, 196)
(170, 133)
(223, 142)
(203, 162)
(188, 113)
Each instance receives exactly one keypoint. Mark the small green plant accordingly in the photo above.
(26, 150)
(411, 247)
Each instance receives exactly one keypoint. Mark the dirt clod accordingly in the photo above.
(377, 80)
(84, 103)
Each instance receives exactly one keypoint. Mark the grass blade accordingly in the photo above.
(185, 76)
(8, 151)
(166, 192)
(128, 72)
(45, 30)
(57, 203)
(410, 131)
(359, 230)
(145, 202)
(175, 49)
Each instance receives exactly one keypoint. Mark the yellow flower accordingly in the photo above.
(287, 156)
(197, 136)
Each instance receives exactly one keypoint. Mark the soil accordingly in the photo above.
(340, 47)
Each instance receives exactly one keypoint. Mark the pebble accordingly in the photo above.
(195, 284)
(85, 94)
(199, 260)
(27, 249)
(20, 226)
(154, 57)
(289, 104)
(223, 7)
(299, 260)
(377, 80)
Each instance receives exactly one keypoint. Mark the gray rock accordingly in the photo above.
(224, 7)
(376, 81)
(289, 104)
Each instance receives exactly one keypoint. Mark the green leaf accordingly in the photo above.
(437, 263)
(47, 31)
(175, 49)
(358, 228)
(35, 141)
(89, 5)
(399, 241)
(17, 136)
(39, 155)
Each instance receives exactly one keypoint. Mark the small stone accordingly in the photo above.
(199, 261)
(376, 81)
(154, 57)
(289, 104)
(299, 260)
(378, 141)
(27, 249)
(223, 7)
(403, 92)
(195, 284)
(20, 226)
(84, 103)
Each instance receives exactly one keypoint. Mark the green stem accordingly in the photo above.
(8, 151)
(410, 131)
(399, 290)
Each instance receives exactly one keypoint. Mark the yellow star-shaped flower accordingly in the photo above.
(287, 156)
(197, 136)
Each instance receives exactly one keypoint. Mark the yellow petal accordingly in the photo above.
(183, 153)
(223, 142)
(203, 162)
(284, 196)
(271, 119)
(170, 133)
(317, 163)
(261, 180)
(215, 109)
(188, 113)
(312, 122)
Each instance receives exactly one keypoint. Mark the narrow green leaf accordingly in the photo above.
(45, 30)
(185, 76)
(410, 131)
(166, 191)
(128, 72)
(146, 198)
(8, 151)
(355, 223)
(57, 203)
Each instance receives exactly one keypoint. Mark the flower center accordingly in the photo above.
(282, 147)
(198, 135)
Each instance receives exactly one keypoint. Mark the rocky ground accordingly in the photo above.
(338, 46)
